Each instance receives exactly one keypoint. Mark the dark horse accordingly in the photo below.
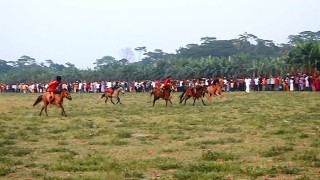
(164, 94)
(115, 94)
(200, 90)
(58, 100)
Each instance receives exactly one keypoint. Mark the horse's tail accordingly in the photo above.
(151, 94)
(39, 99)
(103, 95)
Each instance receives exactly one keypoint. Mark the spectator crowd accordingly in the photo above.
(297, 82)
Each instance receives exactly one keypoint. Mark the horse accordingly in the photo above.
(215, 90)
(200, 90)
(115, 94)
(174, 86)
(164, 94)
(59, 95)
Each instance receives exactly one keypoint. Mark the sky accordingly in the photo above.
(81, 31)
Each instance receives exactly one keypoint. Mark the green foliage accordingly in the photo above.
(247, 55)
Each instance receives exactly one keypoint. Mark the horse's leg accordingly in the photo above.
(219, 95)
(59, 104)
(209, 97)
(45, 106)
(63, 112)
(203, 101)
(181, 99)
(186, 98)
(118, 100)
(154, 100)
(106, 100)
(111, 100)
(41, 110)
(194, 100)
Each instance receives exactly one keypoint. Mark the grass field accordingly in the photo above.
(274, 135)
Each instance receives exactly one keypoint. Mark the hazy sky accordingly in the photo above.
(81, 31)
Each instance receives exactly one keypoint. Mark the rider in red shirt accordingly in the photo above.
(165, 82)
(53, 86)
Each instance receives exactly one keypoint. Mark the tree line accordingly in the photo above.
(247, 55)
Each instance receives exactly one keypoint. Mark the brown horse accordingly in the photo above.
(164, 94)
(200, 90)
(174, 86)
(215, 90)
(58, 100)
(115, 94)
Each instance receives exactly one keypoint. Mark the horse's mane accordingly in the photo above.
(167, 87)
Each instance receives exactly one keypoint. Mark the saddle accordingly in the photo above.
(109, 90)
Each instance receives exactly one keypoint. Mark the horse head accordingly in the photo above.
(120, 89)
(174, 88)
(65, 93)
(221, 83)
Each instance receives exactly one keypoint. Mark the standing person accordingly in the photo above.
(103, 86)
(53, 85)
(276, 83)
(256, 84)
(80, 88)
(247, 82)
(292, 84)
(271, 83)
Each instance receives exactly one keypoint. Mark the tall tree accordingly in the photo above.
(207, 40)
(105, 61)
(25, 60)
(140, 50)
(4, 67)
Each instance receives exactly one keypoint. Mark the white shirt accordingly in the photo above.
(256, 81)
(248, 81)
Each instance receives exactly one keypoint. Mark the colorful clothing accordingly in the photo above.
(167, 81)
(109, 90)
(53, 86)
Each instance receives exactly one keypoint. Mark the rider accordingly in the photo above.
(53, 85)
(165, 82)
(216, 81)
(193, 86)
(197, 85)
(115, 86)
